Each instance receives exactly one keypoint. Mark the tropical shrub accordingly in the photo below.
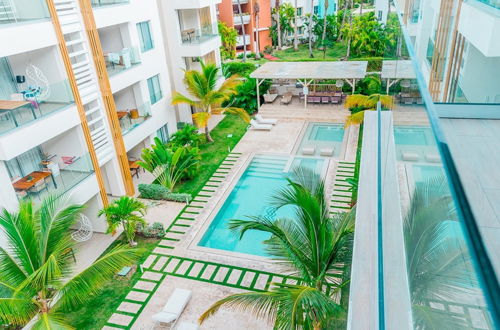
(37, 278)
(187, 136)
(369, 85)
(359, 104)
(268, 50)
(206, 98)
(178, 197)
(127, 212)
(237, 68)
(152, 191)
(154, 230)
(246, 98)
(287, 16)
(229, 37)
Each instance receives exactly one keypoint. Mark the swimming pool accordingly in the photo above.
(414, 139)
(321, 136)
(250, 197)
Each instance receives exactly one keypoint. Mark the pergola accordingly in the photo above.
(307, 72)
(397, 70)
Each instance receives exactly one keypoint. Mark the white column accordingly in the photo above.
(114, 178)
(8, 198)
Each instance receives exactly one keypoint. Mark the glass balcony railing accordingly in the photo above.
(56, 176)
(132, 118)
(102, 3)
(491, 3)
(197, 36)
(123, 60)
(34, 103)
(15, 11)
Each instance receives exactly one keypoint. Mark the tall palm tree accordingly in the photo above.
(36, 265)
(295, 29)
(127, 212)
(323, 37)
(256, 10)
(311, 54)
(312, 245)
(278, 22)
(206, 98)
(240, 12)
(368, 103)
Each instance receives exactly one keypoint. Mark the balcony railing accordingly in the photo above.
(55, 177)
(239, 40)
(197, 36)
(34, 103)
(237, 19)
(132, 118)
(123, 60)
(102, 3)
(10, 13)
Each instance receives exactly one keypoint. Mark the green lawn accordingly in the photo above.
(99, 309)
(302, 55)
(212, 154)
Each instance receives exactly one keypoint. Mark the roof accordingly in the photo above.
(311, 70)
(398, 70)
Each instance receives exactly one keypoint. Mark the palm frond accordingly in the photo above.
(50, 321)
(356, 118)
(178, 98)
(201, 119)
(17, 310)
(237, 111)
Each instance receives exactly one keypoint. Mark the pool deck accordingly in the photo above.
(220, 272)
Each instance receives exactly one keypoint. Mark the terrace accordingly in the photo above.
(20, 11)
(120, 54)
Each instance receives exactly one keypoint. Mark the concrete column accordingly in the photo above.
(113, 178)
(8, 198)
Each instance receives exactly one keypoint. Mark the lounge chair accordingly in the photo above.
(287, 98)
(410, 156)
(336, 99)
(327, 152)
(261, 120)
(270, 98)
(260, 127)
(188, 326)
(173, 308)
(309, 150)
(433, 158)
(317, 100)
(325, 99)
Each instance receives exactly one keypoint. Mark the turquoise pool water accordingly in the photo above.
(250, 197)
(323, 135)
(414, 135)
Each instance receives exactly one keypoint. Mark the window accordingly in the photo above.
(299, 11)
(154, 89)
(162, 134)
(379, 16)
(144, 30)
(316, 10)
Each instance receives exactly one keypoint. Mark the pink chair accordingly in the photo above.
(68, 160)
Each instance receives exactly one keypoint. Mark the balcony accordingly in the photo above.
(119, 52)
(103, 3)
(132, 118)
(123, 60)
(132, 107)
(15, 11)
(198, 36)
(237, 19)
(235, 2)
(239, 40)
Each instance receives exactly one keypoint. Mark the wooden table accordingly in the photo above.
(9, 105)
(122, 114)
(134, 167)
(25, 184)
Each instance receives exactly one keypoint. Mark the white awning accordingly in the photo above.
(312, 70)
(397, 70)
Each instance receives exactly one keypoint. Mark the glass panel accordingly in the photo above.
(196, 36)
(134, 117)
(38, 103)
(154, 87)
(101, 3)
(162, 134)
(117, 62)
(18, 11)
(144, 30)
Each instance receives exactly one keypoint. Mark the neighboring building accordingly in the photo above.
(319, 9)
(229, 14)
(191, 33)
(90, 91)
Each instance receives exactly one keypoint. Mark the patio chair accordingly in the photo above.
(260, 127)
(270, 98)
(433, 158)
(68, 160)
(84, 231)
(287, 98)
(38, 188)
(327, 152)
(409, 156)
(317, 100)
(325, 99)
(261, 120)
(309, 150)
(335, 99)
(173, 308)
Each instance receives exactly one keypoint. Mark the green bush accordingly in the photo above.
(155, 230)
(178, 197)
(187, 136)
(152, 191)
(246, 98)
(239, 68)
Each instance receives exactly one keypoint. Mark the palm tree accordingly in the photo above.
(311, 55)
(36, 265)
(256, 9)
(127, 212)
(206, 98)
(278, 22)
(368, 103)
(240, 12)
(313, 245)
(439, 266)
(323, 37)
(295, 29)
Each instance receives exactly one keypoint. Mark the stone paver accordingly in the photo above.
(149, 261)
(143, 285)
(120, 319)
(171, 265)
(221, 274)
(151, 276)
(129, 307)
(160, 263)
(235, 275)
(195, 271)
(207, 273)
(137, 296)
(247, 279)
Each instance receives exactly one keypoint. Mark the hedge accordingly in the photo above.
(159, 192)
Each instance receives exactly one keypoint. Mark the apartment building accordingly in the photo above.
(191, 34)
(84, 87)
(256, 19)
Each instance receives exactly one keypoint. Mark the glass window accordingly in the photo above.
(316, 10)
(144, 30)
(162, 134)
(154, 87)
(299, 11)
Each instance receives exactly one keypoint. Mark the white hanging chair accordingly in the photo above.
(84, 232)
(36, 79)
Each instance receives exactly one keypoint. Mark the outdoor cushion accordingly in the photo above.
(433, 158)
(410, 156)
(308, 150)
(327, 152)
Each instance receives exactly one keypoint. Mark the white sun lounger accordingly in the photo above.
(410, 156)
(308, 150)
(433, 158)
(261, 127)
(327, 152)
(261, 120)
(173, 308)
